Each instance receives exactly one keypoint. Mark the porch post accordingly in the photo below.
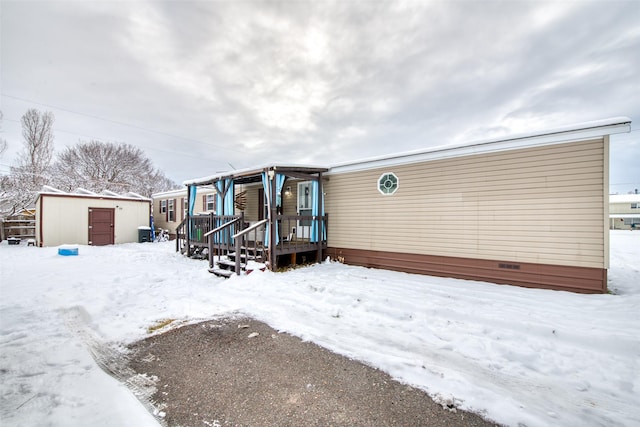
(187, 228)
(320, 224)
(273, 212)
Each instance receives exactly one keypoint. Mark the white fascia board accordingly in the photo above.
(162, 194)
(624, 198)
(574, 133)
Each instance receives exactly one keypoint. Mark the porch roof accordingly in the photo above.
(254, 174)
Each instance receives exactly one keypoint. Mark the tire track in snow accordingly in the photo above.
(113, 361)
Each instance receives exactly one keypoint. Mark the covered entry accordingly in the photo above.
(258, 216)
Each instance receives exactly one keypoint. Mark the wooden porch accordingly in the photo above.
(233, 241)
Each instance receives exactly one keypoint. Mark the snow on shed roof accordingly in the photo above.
(81, 192)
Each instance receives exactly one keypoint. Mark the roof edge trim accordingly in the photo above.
(574, 133)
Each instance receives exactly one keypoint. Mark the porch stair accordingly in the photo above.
(226, 267)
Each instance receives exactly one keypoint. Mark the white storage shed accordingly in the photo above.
(87, 218)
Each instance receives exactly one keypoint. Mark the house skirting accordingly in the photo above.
(530, 275)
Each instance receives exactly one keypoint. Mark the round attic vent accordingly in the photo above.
(388, 183)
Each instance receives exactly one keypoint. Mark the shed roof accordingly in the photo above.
(81, 192)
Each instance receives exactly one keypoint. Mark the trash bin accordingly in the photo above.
(144, 234)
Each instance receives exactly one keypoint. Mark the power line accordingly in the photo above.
(181, 153)
(68, 110)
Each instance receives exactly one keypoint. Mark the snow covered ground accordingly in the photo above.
(520, 356)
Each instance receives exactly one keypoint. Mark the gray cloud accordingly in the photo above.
(204, 84)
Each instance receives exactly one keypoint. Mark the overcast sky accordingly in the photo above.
(202, 85)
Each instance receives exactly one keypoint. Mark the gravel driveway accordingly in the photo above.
(241, 372)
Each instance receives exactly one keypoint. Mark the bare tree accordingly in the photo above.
(98, 166)
(35, 159)
(19, 189)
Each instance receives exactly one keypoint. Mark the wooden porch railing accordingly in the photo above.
(251, 247)
(181, 236)
(222, 235)
(199, 227)
(220, 239)
(300, 240)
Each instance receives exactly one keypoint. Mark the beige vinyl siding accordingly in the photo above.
(160, 219)
(251, 211)
(539, 205)
(290, 202)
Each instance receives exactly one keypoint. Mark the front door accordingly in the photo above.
(304, 209)
(101, 231)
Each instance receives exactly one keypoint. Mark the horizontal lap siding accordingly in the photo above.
(251, 211)
(539, 205)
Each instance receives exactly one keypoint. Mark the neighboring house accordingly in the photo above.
(170, 207)
(529, 210)
(87, 218)
(624, 211)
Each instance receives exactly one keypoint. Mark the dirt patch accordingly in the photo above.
(241, 372)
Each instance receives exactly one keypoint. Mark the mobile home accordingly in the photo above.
(529, 210)
(624, 211)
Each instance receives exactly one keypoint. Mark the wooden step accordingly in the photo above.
(230, 264)
(244, 257)
(221, 272)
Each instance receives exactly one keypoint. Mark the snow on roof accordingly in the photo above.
(133, 195)
(50, 189)
(624, 198)
(82, 192)
(182, 192)
(251, 170)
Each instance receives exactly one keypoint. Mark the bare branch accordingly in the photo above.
(98, 166)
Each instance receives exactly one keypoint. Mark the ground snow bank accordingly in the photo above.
(521, 356)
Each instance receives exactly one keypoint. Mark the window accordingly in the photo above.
(163, 206)
(171, 216)
(634, 205)
(388, 183)
(210, 202)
